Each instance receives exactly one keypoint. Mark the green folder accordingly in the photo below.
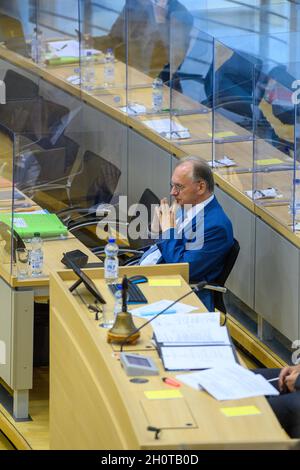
(62, 60)
(26, 225)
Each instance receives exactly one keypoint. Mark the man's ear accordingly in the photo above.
(202, 185)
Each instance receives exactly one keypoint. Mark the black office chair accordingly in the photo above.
(130, 255)
(92, 186)
(12, 34)
(229, 262)
(40, 172)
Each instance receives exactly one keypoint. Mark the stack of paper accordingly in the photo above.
(230, 382)
(68, 48)
(196, 357)
(170, 129)
(222, 162)
(193, 341)
(190, 329)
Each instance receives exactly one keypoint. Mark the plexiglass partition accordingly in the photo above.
(264, 92)
(6, 195)
(276, 158)
(196, 81)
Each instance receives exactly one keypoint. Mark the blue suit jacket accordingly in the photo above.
(207, 261)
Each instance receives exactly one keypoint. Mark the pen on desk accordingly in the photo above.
(273, 380)
(61, 48)
(151, 314)
(171, 381)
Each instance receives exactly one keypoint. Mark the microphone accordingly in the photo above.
(197, 288)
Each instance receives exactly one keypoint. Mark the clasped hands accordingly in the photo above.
(288, 377)
(164, 216)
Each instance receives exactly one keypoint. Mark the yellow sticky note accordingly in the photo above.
(162, 394)
(269, 161)
(164, 282)
(219, 135)
(240, 411)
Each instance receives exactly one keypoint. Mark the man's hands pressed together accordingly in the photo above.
(164, 217)
(288, 377)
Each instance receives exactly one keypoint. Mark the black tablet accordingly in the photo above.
(89, 284)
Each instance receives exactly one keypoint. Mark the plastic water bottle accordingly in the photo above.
(157, 95)
(111, 262)
(109, 68)
(36, 256)
(118, 300)
(88, 76)
(37, 48)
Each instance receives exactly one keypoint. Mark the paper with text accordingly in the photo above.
(196, 357)
(232, 382)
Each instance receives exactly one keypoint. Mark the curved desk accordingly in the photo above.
(94, 405)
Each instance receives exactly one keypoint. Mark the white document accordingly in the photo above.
(69, 48)
(190, 379)
(202, 328)
(233, 382)
(196, 357)
(269, 193)
(168, 129)
(153, 309)
(222, 162)
(133, 109)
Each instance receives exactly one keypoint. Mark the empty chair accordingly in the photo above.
(95, 183)
(39, 169)
(19, 87)
(148, 199)
(132, 253)
(28, 113)
(12, 34)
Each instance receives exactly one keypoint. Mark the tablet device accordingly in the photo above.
(89, 284)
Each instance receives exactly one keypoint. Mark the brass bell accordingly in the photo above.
(123, 330)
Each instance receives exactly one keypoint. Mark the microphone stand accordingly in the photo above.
(201, 285)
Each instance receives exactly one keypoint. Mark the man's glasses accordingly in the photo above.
(177, 187)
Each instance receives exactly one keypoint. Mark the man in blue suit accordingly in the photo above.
(194, 229)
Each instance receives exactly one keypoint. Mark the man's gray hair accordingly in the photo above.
(201, 171)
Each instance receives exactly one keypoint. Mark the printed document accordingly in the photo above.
(168, 128)
(196, 357)
(201, 328)
(230, 382)
(150, 310)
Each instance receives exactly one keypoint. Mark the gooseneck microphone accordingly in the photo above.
(197, 288)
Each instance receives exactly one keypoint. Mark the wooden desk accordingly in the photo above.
(17, 318)
(93, 404)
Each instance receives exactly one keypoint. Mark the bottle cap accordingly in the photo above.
(37, 234)
(111, 240)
